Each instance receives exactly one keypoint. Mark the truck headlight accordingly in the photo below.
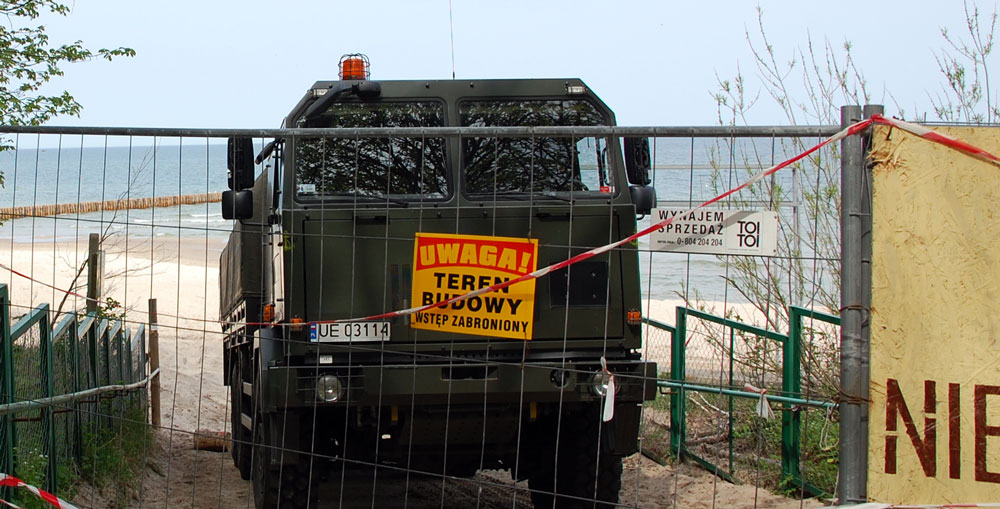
(329, 388)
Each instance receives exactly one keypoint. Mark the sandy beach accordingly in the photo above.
(181, 274)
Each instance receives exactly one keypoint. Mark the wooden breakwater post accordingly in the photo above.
(95, 273)
(107, 205)
(154, 364)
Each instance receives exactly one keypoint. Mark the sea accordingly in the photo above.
(50, 170)
(82, 173)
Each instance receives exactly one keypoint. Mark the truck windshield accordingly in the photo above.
(518, 167)
(391, 168)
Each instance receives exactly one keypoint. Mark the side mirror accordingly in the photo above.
(637, 161)
(240, 163)
(237, 204)
(644, 198)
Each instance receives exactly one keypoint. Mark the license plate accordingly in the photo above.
(352, 331)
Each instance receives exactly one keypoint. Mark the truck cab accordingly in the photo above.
(385, 199)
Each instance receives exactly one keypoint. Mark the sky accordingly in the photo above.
(245, 63)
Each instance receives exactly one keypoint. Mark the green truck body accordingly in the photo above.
(330, 236)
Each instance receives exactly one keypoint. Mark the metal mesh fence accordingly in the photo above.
(103, 351)
(30, 442)
(115, 357)
(722, 294)
(425, 412)
(89, 374)
(65, 419)
(53, 411)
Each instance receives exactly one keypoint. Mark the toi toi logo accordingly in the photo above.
(749, 234)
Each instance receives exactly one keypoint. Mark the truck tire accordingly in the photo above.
(265, 485)
(242, 449)
(291, 486)
(589, 474)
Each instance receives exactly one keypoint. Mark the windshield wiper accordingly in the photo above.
(379, 198)
(522, 195)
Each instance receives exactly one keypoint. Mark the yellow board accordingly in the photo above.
(446, 266)
(934, 426)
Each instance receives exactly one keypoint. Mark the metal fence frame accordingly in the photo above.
(90, 340)
(855, 305)
(855, 261)
(790, 396)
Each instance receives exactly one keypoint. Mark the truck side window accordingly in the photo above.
(408, 168)
(534, 165)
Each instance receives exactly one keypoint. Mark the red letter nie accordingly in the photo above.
(926, 447)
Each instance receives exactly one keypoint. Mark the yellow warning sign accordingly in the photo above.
(449, 265)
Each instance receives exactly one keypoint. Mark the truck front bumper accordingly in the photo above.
(454, 383)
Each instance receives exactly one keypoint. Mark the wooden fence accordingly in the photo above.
(97, 206)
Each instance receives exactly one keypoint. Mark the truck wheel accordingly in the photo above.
(242, 448)
(588, 470)
(280, 486)
(265, 484)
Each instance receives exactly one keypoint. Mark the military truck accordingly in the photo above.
(340, 227)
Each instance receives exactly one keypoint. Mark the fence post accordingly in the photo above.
(50, 446)
(120, 340)
(143, 361)
(852, 483)
(105, 339)
(154, 364)
(128, 357)
(74, 338)
(95, 376)
(95, 273)
(104, 353)
(120, 402)
(678, 399)
(866, 257)
(791, 385)
(6, 350)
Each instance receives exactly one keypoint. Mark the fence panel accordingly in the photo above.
(33, 454)
(736, 306)
(721, 423)
(137, 363)
(47, 408)
(6, 386)
(87, 345)
(65, 374)
(818, 335)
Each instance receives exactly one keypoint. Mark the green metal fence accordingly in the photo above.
(57, 384)
(788, 392)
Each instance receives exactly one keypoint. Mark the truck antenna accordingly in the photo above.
(451, 28)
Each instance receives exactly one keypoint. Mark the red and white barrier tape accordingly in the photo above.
(932, 135)
(29, 278)
(853, 129)
(916, 129)
(848, 131)
(7, 480)
(879, 505)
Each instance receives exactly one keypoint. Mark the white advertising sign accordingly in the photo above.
(716, 231)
